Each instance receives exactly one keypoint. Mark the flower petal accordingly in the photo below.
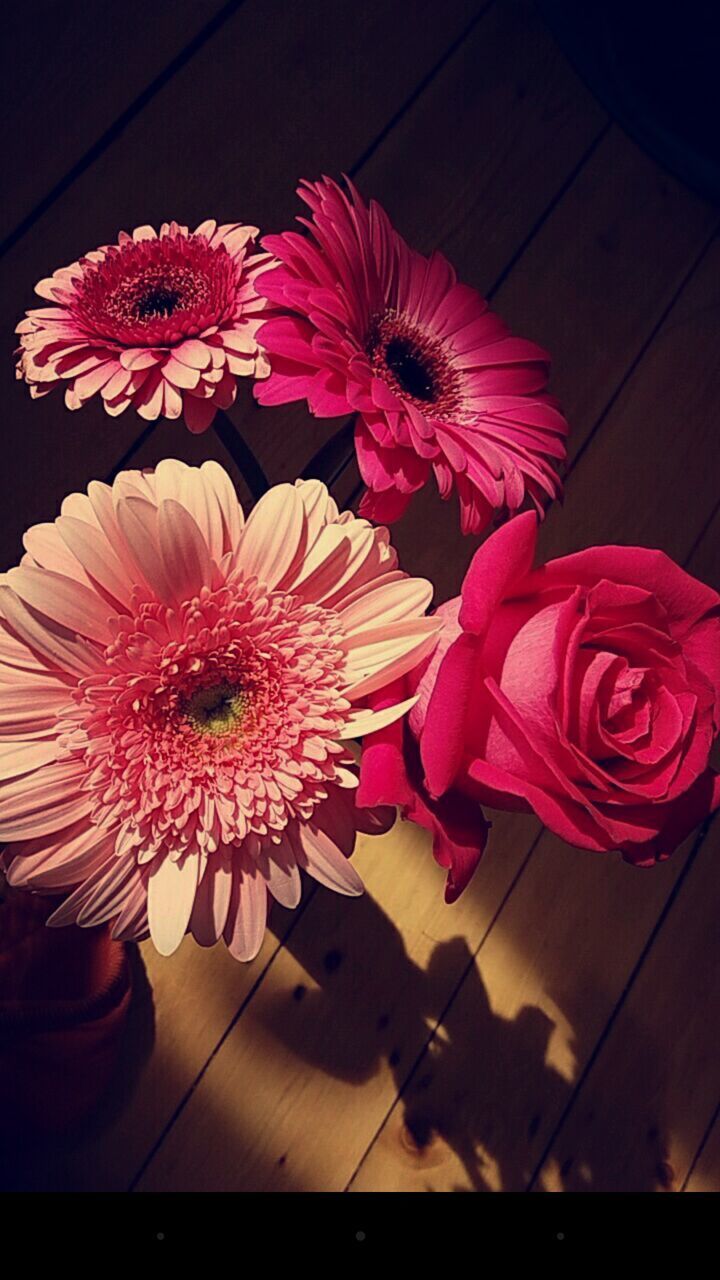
(59, 648)
(366, 721)
(184, 551)
(59, 598)
(247, 916)
(325, 862)
(212, 902)
(171, 894)
(272, 535)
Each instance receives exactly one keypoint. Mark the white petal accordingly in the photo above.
(272, 535)
(47, 548)
(62, 859)
(228, 504)
(171, 894)
(138, 521)
(198, 496)
(91, 548)
(320, 508)
(55, 644)
(21, 757)
(383, 602)
(132, 924)
(322, 566)
(365, 721)
(110, 894)
(31, 707)
(363, 563)
(377, 657)
(279, 868)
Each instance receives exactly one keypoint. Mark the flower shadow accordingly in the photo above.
(485, 1095)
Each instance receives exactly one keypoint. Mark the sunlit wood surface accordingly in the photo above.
(556, 1029)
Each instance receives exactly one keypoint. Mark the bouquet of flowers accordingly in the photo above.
(182, 681)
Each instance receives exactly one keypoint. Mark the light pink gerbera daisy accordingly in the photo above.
(177, 691)
(164, 322)
(438, 382)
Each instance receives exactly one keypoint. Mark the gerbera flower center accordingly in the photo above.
(160, 301)
(412, 362)
(215, 719)
(157, 292)
(218, 709)
(157, 295)
(410, 369)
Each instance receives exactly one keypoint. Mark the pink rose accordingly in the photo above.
(587, 691)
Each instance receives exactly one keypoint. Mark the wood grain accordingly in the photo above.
(705, 1175)
(562, 146)
(646, 1104)
(305, 134)
(565, 148)
(641, 1113)
(58, 101)
(567, 145)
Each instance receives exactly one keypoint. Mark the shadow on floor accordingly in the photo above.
(485, 1090)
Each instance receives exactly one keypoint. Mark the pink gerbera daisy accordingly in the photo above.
(438, 382)
(164, 322)
(178, 688)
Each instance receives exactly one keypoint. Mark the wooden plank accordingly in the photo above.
(548, 949)
(528, 1016)
(159, 1059)
(705, 1175)
(474, 1115)
(319, 1053)
(658, 483)
(706, 555)
(548, 120)
(58, 101)
(235, 153)
(639, 1116)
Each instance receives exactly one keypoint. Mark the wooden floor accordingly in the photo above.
(556, 1029)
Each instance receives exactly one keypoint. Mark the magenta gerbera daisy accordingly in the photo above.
(178, 689)
(438, 382)
(164, 322)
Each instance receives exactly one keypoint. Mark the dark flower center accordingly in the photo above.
(216, 709)
(413, 362)
(412, 373)
(156, 303)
